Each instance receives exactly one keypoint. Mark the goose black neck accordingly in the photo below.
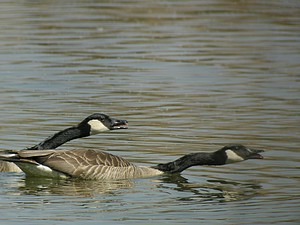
(193, 159)
(62, 137)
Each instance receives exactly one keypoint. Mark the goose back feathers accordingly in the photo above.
(78, 163)
(93, 124)
(98, 165)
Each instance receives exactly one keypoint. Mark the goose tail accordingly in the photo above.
(7, 158)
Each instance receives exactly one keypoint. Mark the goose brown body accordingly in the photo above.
(9, 167)
(93, 124)
(99, 165)
(78, 163)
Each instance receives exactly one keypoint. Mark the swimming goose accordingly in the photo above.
(91, 125)
(99, 165)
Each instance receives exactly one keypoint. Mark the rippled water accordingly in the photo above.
(189, 76)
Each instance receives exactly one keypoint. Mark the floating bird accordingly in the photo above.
(93, 124)
(99, 165)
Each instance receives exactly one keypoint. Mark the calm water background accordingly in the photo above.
(189, 76)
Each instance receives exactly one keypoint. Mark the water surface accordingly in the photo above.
(188, 76)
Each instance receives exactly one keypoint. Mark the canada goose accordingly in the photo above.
(98, 165)
(91, 125)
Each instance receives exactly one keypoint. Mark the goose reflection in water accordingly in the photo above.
(211, 189)
(217, 190)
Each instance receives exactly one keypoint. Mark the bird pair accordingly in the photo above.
(43, 160)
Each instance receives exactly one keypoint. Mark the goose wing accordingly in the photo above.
(87, 164)
(84, 164)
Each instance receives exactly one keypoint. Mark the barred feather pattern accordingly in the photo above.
(89, 164)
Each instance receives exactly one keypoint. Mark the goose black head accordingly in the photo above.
(237, 153)
(99, 122)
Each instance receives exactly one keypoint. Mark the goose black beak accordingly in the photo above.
(254, 154)
(119, 124)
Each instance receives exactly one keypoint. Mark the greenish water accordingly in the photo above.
(189, 76)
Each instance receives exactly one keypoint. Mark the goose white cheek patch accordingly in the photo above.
(232, 157)
(97, 127)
